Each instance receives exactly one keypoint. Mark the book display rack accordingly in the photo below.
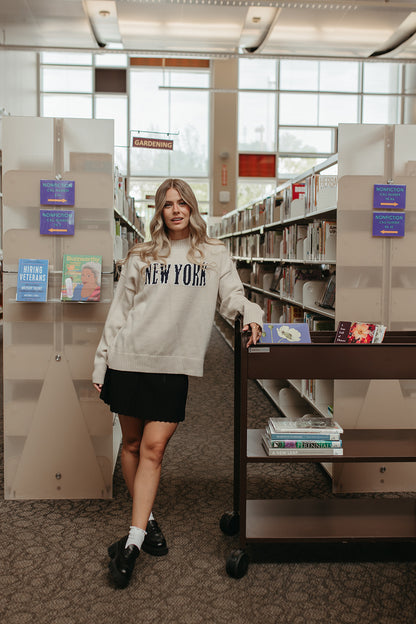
(333, 519)
(60, 439)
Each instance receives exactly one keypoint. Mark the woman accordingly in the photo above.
(156, 334)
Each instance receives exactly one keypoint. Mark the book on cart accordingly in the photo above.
(308, 435)
(303, 440)
(271, 450)
(359, 333)
(285, 333)
(308, 424)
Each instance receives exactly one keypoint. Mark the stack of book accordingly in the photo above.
(309, 435)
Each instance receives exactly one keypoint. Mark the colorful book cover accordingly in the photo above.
(285, 333)
(32, 280)
(81, 278)
(304, 444)
(300, 451)
(359, 333)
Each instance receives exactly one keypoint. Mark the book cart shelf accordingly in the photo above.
(314, 520)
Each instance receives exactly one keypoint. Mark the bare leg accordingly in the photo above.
(155, 438)
(144, 444)
(132, 429)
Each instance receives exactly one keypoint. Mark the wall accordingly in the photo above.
(224, 126)
(18, 84)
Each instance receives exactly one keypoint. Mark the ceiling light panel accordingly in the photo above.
(48, 23)
(182, 28)
(333, 33)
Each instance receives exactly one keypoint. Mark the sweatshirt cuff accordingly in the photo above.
(99, 373)
(253, 314)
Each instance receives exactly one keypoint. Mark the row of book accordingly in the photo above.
(312, 242)
(351, 332)
(81, 279)
(295, 200)
(308, 435)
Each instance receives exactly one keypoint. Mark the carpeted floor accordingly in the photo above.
(53, 553)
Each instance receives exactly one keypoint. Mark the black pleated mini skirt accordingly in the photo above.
(151, 396)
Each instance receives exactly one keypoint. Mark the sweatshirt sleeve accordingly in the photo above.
(231, 295)
(117, 314)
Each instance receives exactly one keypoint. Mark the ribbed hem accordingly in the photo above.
(145, 363)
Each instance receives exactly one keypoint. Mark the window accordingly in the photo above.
(54, 105)
(293, 107)
(307, 140)
(67, 79)
(115, 107)
(257, 74)
(257, 122)
(182, 115)
(163, 96)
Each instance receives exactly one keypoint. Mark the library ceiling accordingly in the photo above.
(357, 29)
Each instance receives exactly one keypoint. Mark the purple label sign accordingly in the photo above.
(57, 222)
(57, 192)
(389, 197)
(389, 224)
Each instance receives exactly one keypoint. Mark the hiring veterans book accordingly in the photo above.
(359, 333)
(285, 333)
(81, 278)
(32, 280)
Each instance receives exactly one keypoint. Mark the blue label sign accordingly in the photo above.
(389, 197)
(57, 192)
(57, 222)
(390, 224)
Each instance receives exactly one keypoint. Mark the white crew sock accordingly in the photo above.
(151, 517)
(136, 537)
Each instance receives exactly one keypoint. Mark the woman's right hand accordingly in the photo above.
(98, 387)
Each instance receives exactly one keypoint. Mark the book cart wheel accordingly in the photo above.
(230, 522)
(237, 564)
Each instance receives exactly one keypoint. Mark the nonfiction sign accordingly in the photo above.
(57, 192)
(389, 197)
(388, 224)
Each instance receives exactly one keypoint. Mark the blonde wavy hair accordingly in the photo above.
(159, 247)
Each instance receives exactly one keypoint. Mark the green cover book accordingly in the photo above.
(81, 278)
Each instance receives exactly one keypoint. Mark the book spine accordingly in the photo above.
(307, 444)
(300, 451)
(304, 436)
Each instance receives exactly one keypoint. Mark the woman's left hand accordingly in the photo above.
(255, 333)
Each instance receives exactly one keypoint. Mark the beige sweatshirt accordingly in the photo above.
(160, 320)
